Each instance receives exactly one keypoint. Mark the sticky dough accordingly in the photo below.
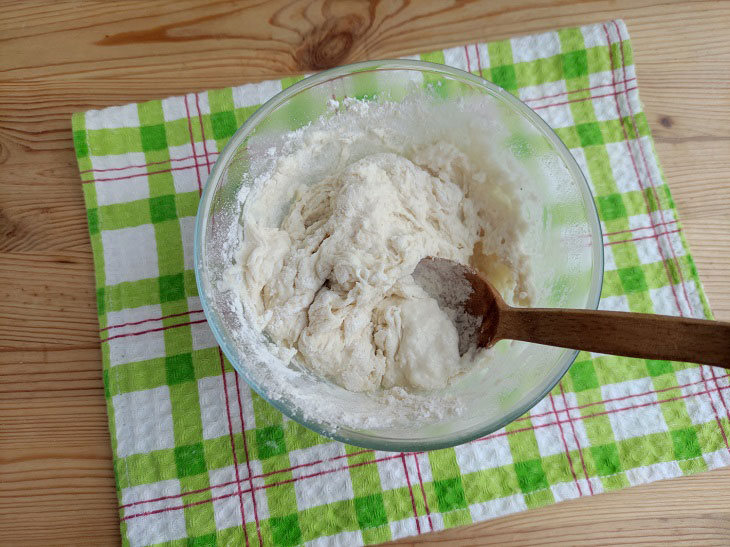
(333, 279)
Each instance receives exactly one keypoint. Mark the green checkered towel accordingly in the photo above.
(201, 460)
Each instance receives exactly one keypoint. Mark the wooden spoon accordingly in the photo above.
(641, 335)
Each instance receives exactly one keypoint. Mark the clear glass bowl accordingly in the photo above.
(565, 248)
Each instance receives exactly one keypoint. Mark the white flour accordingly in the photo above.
(451, 290)
(337, 219)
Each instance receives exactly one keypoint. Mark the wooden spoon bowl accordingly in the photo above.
(640, 335)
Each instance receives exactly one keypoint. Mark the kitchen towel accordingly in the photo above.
(201, 460)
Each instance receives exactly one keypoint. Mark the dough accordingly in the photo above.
(332, 280)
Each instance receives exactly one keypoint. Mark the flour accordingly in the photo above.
(451, 291)
(340, 214)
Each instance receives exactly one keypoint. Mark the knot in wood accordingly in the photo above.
(329, 44)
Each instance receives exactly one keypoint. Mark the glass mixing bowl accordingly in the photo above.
(565, 245)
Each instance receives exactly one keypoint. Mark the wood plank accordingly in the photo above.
(48, 300)
(43, 217)
(708, 244)
(296, 36)
(100, 44)
(54, 450)
(697, 175)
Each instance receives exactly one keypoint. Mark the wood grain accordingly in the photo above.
(56, 481)
(620, 333)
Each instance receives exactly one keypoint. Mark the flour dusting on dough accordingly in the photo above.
(330, 239)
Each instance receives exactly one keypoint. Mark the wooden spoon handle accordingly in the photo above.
(629, 334)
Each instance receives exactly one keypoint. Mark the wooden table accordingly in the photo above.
(56, 481)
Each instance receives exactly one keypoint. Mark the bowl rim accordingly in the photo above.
(348, 435)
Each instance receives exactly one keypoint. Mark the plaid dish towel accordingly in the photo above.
(201, 460)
